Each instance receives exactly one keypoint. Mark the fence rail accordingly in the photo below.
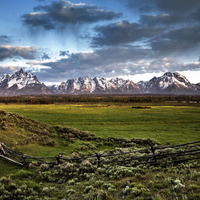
(153, 155)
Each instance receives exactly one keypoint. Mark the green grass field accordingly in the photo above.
(165, 124)
(87, 180)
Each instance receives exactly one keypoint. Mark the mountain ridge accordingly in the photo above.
(169, 83)
(24, 83)
(21, 83)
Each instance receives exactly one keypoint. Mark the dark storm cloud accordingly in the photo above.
(122, 33)
(175, 6)
(163, 19)
(167, 12)
(143, 6)
(7, 51)
(169, 6)
(37, 19)
(178, 40)
(65, 12)
(196, 15)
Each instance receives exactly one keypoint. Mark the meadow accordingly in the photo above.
(165, 124)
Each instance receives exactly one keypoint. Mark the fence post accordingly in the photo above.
(58, 159)
(153, 151)
(98, 159)
(23, 159)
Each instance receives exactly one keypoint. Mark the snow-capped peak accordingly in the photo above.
(168, 83)
(85, 84)
(173, 78)
(22, 79)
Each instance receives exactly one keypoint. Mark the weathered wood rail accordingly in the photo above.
(153, 155)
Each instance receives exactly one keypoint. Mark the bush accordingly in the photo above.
(44, 167)
(22, 174)
(5, 180)
(87, 189)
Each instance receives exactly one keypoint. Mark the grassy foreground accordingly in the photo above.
(165, 124)
(85, 180)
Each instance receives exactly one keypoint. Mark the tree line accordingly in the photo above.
(52, 99)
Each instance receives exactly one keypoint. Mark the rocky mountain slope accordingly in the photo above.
(169, 83)
(97, 85)
(24, 83)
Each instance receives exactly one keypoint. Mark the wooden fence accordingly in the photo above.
(154, 155)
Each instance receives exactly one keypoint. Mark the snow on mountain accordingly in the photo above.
(86, 85)
(5, 77)
(22, 79)
(102, 84)
(22, 83)
(169, 83)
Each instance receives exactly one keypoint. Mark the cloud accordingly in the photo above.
(167, 6)
(122, 33)
(64, 12)
(38, 19)
(26, 52)
(64, 53)
(162, 19)
(104, 62)
(178, 40)
(7, 69)
(110, 62)
(101, 57)
(45, 56)
(196, 15)
(166, 64)
(167, 12)
(177, 6)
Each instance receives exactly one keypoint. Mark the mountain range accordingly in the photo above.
(24, 83)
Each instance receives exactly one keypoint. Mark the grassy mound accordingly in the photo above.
(18, 130)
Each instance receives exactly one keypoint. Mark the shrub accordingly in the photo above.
(87, 189)
(71, 182)
(134, 192)
(5, 180)
(194, 187)
(70, 191)
(22, 174)
(44, 167)
(32, 184)
(98, 184)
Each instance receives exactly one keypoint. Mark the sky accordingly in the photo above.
(133, 39)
